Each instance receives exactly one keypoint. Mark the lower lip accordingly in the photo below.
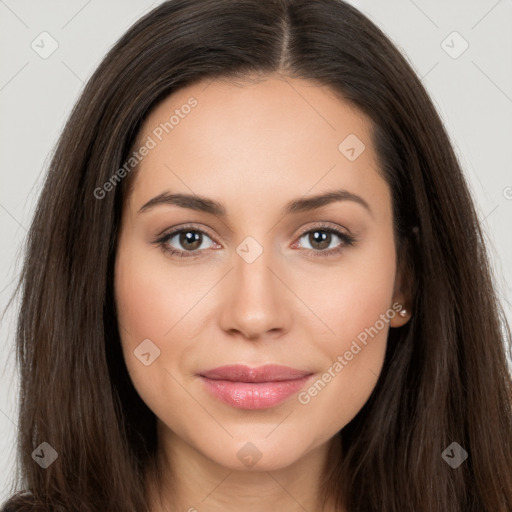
(254, 395)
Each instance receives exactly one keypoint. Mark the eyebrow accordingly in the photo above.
(204, 204)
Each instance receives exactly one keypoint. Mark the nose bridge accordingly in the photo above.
(256, 303)
(252, 273)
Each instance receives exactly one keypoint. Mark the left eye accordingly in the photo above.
(321, 237)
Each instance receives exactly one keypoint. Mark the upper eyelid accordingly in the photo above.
(174, 231)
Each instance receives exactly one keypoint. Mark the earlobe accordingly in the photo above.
(402, 315)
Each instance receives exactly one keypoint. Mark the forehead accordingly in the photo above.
(258, 142)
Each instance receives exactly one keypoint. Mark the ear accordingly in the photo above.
(403, 291)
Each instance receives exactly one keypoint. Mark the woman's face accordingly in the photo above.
(264, 278)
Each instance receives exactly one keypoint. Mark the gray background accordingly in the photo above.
(471, 90)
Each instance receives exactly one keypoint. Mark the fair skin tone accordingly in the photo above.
(254, 148)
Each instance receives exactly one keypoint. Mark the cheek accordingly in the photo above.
(139, 304)
(139, 300)
(151, 300)
(157, 305)
(356, 306)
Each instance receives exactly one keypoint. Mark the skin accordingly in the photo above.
(254, 147)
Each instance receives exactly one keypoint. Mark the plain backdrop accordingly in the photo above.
(461, 49)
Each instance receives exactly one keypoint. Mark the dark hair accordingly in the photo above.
(445, 377)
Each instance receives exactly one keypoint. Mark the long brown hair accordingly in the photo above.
(445, 378)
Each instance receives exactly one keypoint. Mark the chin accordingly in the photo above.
(259, 453)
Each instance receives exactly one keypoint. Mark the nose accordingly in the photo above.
(256, 301)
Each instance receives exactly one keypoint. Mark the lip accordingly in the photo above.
(245, 387)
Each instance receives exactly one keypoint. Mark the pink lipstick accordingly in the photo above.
(261, 387)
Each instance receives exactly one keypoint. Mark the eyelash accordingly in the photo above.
(347, 241)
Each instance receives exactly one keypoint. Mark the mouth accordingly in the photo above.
(261, 387)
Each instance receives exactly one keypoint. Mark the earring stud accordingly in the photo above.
(403, 313)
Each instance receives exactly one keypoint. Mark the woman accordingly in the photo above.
(182, 349)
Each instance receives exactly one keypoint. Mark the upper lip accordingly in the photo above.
(243, 373)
